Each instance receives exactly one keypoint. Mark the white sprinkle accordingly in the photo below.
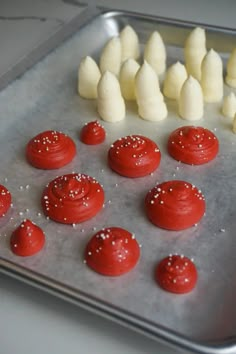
(222, 230)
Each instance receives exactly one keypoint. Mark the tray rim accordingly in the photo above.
(66, 292)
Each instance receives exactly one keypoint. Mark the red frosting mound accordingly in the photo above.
(112, 251)
(50, 150)
(72, 198)
(176, 274)
(193, 145)
(134, 156)
(5, 200)
(175, 205)
(92, 133)
(27, 239)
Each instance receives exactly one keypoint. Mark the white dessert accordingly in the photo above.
(155, 53)
(129, 44)
(234, 124)
(212, 77)
(110, 59)
(151, 105)
(194, 52)
(191, 100)
(229, 105)
(174, 79)
(231, 70)
(110, 103)
(88, 77)
(127, 78)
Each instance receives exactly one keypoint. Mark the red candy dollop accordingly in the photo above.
(193, 145)
(176, 274)
(112, 251)
(92, 133)
(134, 156)
(5, 200)
(175, 205)
(50, 150)
(72, 198)
(27, 239)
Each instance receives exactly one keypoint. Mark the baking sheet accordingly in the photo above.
(46, 98)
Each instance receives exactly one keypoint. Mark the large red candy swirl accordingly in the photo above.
(27, 239)
(175, 205)
(92, 133)
(112, 251)
(176, 274)
(72, 198)
(5, 200)
(134, 156)
(50, 150)
(193, 145)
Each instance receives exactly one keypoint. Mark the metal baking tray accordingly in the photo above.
(45, 97)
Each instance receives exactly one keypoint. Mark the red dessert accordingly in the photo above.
(193, 145)
(50, 150)
(175, 205)
(134, 156)
(27, 239)
(5, 200)
(72, 198)
(112, 251)
(92, 133)
(176, 274)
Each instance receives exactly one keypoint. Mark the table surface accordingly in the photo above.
(32, 321)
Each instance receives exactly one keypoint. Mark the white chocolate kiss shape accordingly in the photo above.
(231, 69)
(155, 53)
(229, 105)
(110, 59)
(129, 44)
(194, 52)
(191, 100)
(151, 105)
(174, 79)
(110, 103)
(212, 77)
(127, 78)
(88, 77)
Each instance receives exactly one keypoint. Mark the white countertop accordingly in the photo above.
(33, 322)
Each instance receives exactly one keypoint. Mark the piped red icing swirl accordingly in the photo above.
(174, 205)
(193, 145)
(5, 200)
(134, 156)
(92, 133)
(112, 251)
(176, 274)
(72, 198)
(27, 239)
(50, 150)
